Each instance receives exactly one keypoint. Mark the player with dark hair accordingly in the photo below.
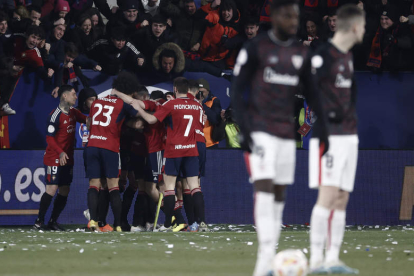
(58, 158)
(334, 173)
(272, 67)
(102, 156)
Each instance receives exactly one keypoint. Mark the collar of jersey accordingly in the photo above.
(277, 41)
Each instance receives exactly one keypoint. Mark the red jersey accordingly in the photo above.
(60, 135)
(107, 115)
(155, 134)
(24, 56)
(181, 141)
(199, 127)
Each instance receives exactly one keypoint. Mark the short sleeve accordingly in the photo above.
(128, 109)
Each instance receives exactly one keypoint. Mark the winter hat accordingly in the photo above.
(391, 12)
(62, 5)
(130, 5)
(203, 83)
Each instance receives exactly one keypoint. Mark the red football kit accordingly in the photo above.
(199, 128)
(107, 116)
(155, 134)
(60, 135)
(181, 141)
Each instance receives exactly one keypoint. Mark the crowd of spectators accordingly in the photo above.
(161, 39)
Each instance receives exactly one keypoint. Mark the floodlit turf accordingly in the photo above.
(229, 251)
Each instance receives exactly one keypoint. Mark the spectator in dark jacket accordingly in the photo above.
(190, 26)
(97, 22)
(57, 48)
(310, 31)
(392, 44)
(57, 17)
(116, 54)
(21, 20)
(168, 62)
(5, 33)
(129, 18)
(150, 38)
(251, 28)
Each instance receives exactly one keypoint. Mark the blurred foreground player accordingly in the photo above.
(58, 158)
(334, 173)
(102, 155)
(265, 116)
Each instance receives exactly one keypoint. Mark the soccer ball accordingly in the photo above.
(290, 262)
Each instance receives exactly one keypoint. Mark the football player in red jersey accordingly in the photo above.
(107, 115)
(181, 149)
(58, 158)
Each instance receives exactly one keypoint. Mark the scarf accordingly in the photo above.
(148, 9)
(265, 12)
(375, 56)
(69, 76)
(311, 3)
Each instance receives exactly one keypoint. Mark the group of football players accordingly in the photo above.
(155, 144)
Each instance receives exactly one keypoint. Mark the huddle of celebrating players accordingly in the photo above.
(157, 136)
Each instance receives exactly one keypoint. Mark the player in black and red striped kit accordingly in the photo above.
(58, 158)
(102, 157)
(273, 67)
(334, 173)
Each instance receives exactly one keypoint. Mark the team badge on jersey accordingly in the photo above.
(297, 61)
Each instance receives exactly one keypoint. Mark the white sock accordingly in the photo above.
(278, 216)
(335, 236)
(265, 228)
(318, 234)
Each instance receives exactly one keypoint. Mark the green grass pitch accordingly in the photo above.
(230, 250)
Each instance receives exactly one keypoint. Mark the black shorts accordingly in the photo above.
(59, 175)
(125, 156)
(137, 164)
(102, 163)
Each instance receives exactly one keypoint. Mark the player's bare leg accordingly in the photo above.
(198, 201)
(116, 203)
(268, 211)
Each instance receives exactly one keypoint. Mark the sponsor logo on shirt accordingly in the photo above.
(70, 128)
(190, 146)
(98, 137)
(199, 132)
(270, 76)
(342, 82)
(65, 122)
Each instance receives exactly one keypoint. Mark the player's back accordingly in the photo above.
(274, 83)
(107, 117)
(155, 133)
(334, 78)
(185, 113)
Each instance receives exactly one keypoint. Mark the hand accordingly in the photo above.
(403, 19)
(17, 68)
(114, 9)
(196, 47)
(324, 18)
(222, 115)
(68, 65)
(384, 2)
(62, 158)
(215, 3)
(50, 72)
(169, 22)
(360, 5)
(37, 22)
(170, 97)
(97, 68)
(61, 21)
(144, 23)
(140, 61)
(114, 91)
(307, 43)
(246, 142)
(47, 47)
(55, 92)
(41, 44)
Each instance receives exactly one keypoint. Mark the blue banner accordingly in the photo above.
(228, 195)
